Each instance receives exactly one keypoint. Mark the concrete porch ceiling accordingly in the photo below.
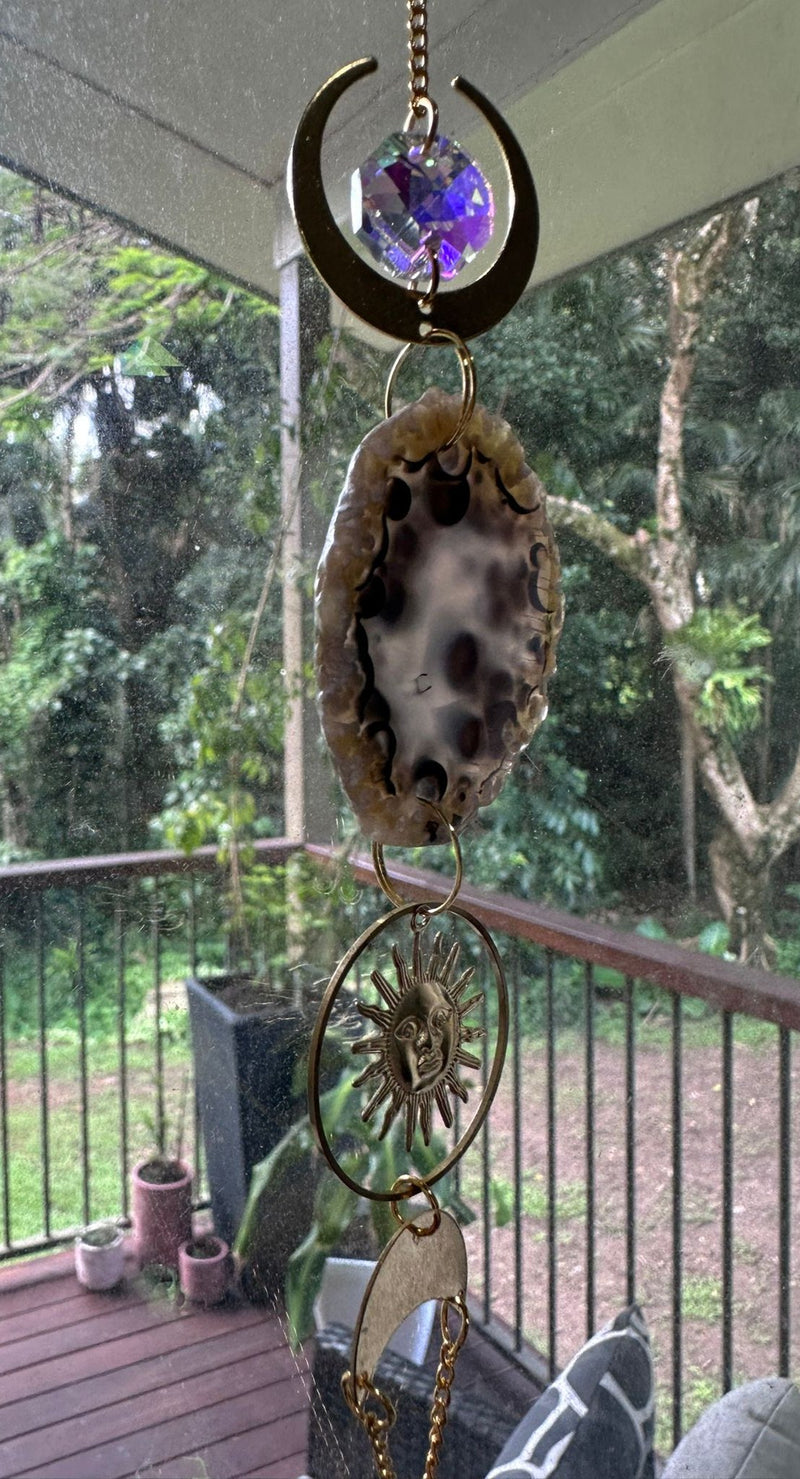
(176, 115)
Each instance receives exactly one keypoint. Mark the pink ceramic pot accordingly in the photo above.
(162, 1210)
(205, 1267)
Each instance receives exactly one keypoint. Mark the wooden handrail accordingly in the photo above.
(722, 983)
(75, 872)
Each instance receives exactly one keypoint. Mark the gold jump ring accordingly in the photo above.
(469, 387)
(460, 1307)
(406, 1186)
(428, 298)
(388, 887)
(423, 105)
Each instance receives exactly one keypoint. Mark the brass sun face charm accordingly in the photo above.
(420, 1047)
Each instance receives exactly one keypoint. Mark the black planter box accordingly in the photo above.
(244, 1059)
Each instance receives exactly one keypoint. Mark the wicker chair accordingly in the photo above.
(486, 1402)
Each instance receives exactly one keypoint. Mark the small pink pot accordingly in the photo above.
(162, 1213)
(205, 1279)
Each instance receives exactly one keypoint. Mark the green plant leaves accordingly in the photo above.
(711, 652)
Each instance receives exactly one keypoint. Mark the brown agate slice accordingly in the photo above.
(438, 610)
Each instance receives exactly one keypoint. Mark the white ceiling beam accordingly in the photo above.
(67, 133)
(685, 104)
(694, 102)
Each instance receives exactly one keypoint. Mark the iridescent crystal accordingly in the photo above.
(406, 198)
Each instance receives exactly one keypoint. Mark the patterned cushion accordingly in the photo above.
(596, 1420)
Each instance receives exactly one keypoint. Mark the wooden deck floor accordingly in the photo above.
(132, 1382)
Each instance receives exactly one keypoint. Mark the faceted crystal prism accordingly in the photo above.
(406, 198)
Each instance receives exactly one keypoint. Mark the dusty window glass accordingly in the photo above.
(144, 691)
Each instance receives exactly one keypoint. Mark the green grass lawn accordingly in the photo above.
(65, 1128)
(26, 1172)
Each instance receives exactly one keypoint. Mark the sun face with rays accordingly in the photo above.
(420, 1046)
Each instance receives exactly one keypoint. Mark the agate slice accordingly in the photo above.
(438, 610)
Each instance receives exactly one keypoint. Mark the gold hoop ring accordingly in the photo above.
(469, 385)
(391, 892)
(337, 981)
(406, 1186)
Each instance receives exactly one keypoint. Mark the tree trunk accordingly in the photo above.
(689, 807)
(765, 737)
(750, 836)
(13, 808)
(742, 887)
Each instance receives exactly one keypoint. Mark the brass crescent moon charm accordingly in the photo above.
(410, 1272)
(383, 304)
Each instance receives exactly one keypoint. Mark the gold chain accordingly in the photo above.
(377, 1424)
(445, 1373)
(418, 55)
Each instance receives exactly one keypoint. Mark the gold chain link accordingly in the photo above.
(445, 1372)
(377, 1425)
(418, 55)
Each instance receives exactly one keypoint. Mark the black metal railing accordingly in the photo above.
(622, 1027)
(64, 923)
(695, 1007)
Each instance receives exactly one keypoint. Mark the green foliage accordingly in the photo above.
(60, 683)
(702, 1298)
(611, 718)
(541, 840)
(82, 293)
(299, 897)
(652, 929)
(714, 938)
(75, 985)
(788, 921)
(65, 1125)
(167, 293)
(227, 747)
(147, 357)
(365, 1158)
(139, 520)
(137, 495)
(570, 1201)
(709, 650)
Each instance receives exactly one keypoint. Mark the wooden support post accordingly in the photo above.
(291, 479)
(308, 811)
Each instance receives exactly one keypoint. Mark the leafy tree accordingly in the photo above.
(139, 406)
(718, 687)
(141, 533)
(60, 686)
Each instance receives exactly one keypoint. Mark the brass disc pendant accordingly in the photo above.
(412, 1269)
(425, 1046)
(422, 1262)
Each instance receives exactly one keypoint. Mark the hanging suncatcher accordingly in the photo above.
(438, 611)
